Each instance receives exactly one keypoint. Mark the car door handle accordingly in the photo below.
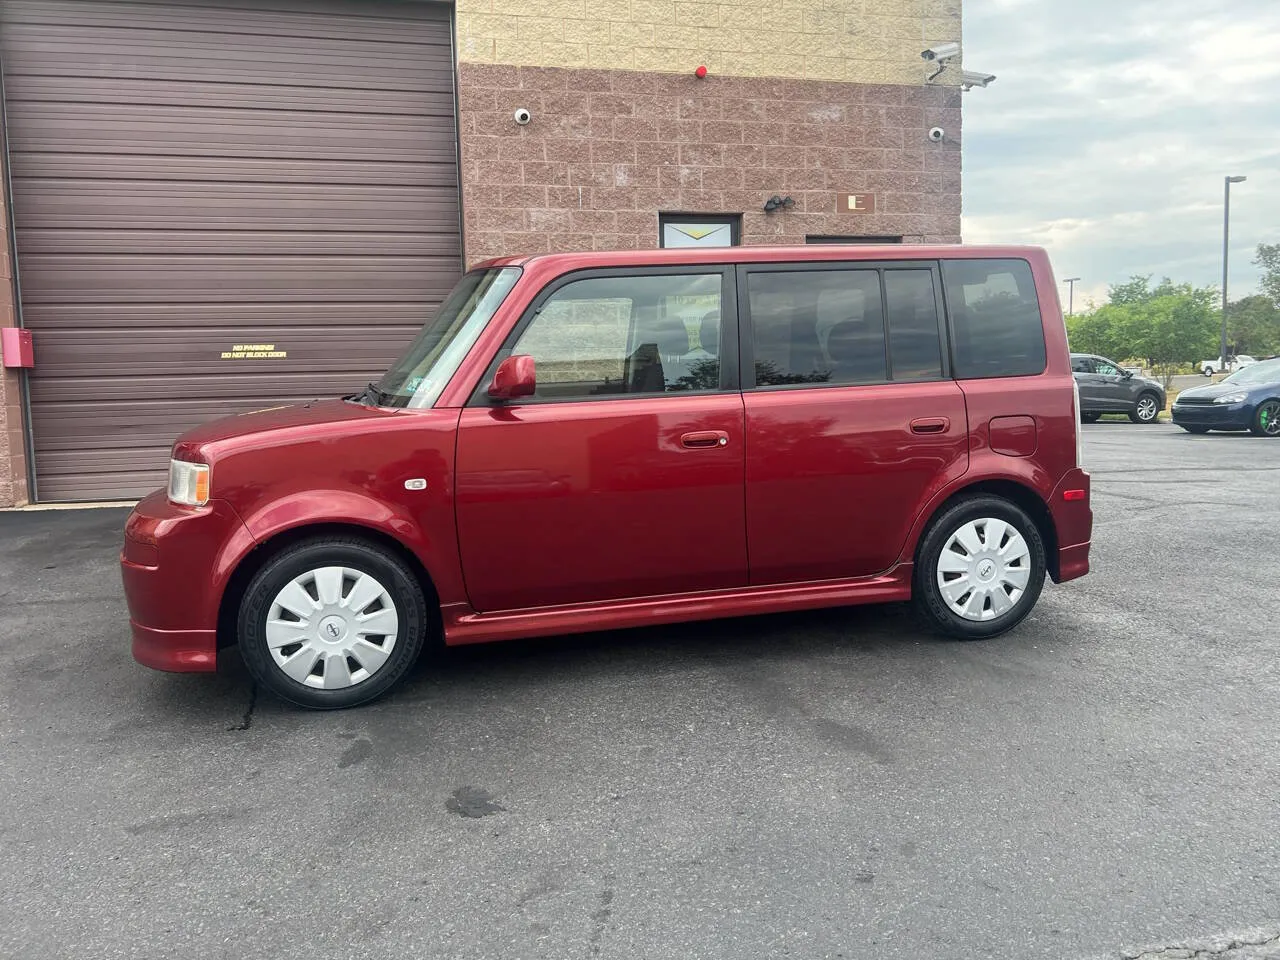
(930, 425)
(705, 438)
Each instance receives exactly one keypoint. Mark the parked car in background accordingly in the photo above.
(1210, 367)
(569, 445)
(1107, 388)
(1249, 399)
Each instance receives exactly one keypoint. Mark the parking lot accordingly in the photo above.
(1100, 782)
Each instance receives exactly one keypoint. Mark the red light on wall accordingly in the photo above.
(701, 73)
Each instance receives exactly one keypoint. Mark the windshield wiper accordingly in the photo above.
(372, 395)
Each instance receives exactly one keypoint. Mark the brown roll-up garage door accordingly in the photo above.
(189, 178)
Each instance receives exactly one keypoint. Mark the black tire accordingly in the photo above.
(1194, 429)
(1089, 417)
(927, 594)
(358, 556)
(1138, 415)
(1207, 371)
(1266, 419)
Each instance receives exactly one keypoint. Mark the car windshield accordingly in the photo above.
(418, 377)
(1256, 373)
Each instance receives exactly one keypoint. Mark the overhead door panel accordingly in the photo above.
(191, 176)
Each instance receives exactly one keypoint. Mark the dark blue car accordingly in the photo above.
(1249, 399)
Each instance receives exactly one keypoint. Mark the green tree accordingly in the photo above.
(1174, 329)
(1268, 259)
(1106, 331)
(1168, 325)
(1253, 325)
(1136, 290)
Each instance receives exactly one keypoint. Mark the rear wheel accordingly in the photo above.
(1147, 409)
(332, 622)
(1266, 420)
(1207, 371)
(981, 568)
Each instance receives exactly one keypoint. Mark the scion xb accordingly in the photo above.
(603, 440)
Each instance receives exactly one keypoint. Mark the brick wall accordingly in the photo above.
(13, 470)
(865, 41)
(6, 460)
(608, 149)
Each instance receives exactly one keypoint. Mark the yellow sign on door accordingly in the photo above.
(254, 351)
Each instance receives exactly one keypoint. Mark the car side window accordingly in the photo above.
(1081, 365)
(817, 326)
(609, 336)
(996, 329)
(1105, 368)
(915, 352)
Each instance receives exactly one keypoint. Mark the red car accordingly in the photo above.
(600, 440)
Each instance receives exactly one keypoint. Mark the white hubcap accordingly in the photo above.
(332, 627)
(1146, 408)
(984, 569)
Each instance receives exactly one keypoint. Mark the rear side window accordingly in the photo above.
(914, 349)
(817, 326)
(996, 328)
(831, 326)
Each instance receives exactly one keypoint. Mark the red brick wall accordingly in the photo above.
(609, 149)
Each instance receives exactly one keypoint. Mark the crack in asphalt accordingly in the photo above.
(1166, 502)
(1225, 947)
(247, 721)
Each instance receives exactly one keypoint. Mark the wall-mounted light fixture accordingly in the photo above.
(778, 203)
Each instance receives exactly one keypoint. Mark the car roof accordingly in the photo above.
(798, 253)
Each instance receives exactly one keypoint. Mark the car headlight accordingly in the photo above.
(1231, 398)
(188, 483)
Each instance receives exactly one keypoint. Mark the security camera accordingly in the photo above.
(970, 79)
(942, 52)
(523, 116)
(937, 134)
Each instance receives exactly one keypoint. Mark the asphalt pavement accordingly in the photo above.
(1187, 382)
(1101, 782)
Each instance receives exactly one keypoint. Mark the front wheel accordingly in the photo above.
(980, 569)
(1266, 421)
(1195, 429)
(1146, 410)
(332, 622)
(1207, 371)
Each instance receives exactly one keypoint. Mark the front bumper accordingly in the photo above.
(175, 565)
(1215, 416)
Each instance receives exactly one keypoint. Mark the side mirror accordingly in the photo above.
(515, 377)
(1127, 374)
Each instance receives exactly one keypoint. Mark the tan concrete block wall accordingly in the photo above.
(866, 41)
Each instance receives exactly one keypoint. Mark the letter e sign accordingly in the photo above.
(856, 203)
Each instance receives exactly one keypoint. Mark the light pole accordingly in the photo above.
(1071, 294)
(1226, 253)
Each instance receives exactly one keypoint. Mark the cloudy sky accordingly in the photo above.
(1110, 128)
